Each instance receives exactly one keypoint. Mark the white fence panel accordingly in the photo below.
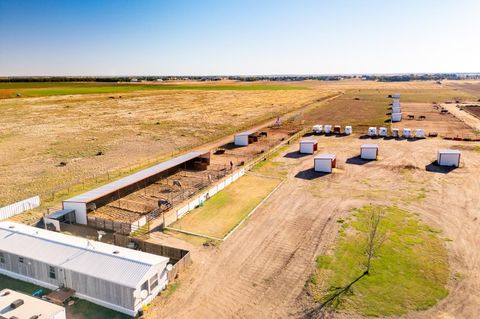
(19, 207)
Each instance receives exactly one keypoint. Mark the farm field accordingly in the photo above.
(49, 144)
(38, 89)
(221, 213)
(264, 268)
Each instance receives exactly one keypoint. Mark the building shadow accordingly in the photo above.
(435, 168)
(364, 137)
(296, 154)
(308, 134)
(310, 174)
(357, 160)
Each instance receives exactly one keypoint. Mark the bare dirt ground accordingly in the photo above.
(464, 116)
(260, 271)
(448, 124)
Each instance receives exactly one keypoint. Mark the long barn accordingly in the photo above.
(84, 203)
(118, 278)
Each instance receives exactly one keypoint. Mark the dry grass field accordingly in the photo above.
(94, 134)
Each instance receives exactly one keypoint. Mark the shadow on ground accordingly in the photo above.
(435, 168)
(296, 154)
(310, 174)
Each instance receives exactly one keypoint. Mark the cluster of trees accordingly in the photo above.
(381, 78)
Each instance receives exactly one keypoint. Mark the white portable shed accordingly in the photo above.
(241, 139)
(396, 117)
(419, 133)
(407, 133)
(396, 103)
(328, 129)
(394, 132)
(383, 131)
(325, 163)
(448, 158)
(396, 109)
(308, 146)
(317, 129)
(348, 130)
(369, 151)
(372, 131)
(396, 96)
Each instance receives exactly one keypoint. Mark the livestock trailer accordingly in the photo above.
(325, 163)
(369, 151)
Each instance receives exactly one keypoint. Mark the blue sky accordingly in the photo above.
(120, 37)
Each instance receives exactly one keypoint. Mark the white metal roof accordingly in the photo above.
(445, 151)
(325, 157)
(369, 146)
(308, 141)
(112, 263)
(245, 133)
(132, 179)
(31, 306)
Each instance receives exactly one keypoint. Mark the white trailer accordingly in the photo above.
(348, 130)
(448, 158)
(419, 133)
(317, 129)
(396, 117)
(369, 151)
(382, 132)
(308, 146)
(324, 163)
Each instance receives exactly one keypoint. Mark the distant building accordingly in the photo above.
(134, 80)
(14, 304)
(118, 278)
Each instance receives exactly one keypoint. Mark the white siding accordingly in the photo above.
(241, 140)
(323, 165)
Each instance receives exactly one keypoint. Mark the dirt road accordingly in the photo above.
(260, 271)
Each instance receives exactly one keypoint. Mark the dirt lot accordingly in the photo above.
(261, 270)
(435, 121)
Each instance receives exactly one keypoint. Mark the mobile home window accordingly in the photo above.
(153, 282)
(51, 272)
(2, 258)
(21, 260)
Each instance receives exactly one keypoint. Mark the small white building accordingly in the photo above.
(407, 133)
(324, 163)
(396, 117)
(25, 306)
(372, 131)
(328, 129)
(369, 151)
(308, 146)
(241, 139)
(383, 132)
(396, 103)
(396, 96)
(396, 109)
(395, 132)
(348, 130)
(317, 129)
(448, 158)
(419, 133)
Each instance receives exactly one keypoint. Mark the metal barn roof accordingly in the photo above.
(325, 157)
(308, 141)
(369, 146)
(132, 179)
(245, 133)
(126, 267)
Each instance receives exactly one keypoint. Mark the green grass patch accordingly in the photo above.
(69, 88)
(227, 208)
(409, 270)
